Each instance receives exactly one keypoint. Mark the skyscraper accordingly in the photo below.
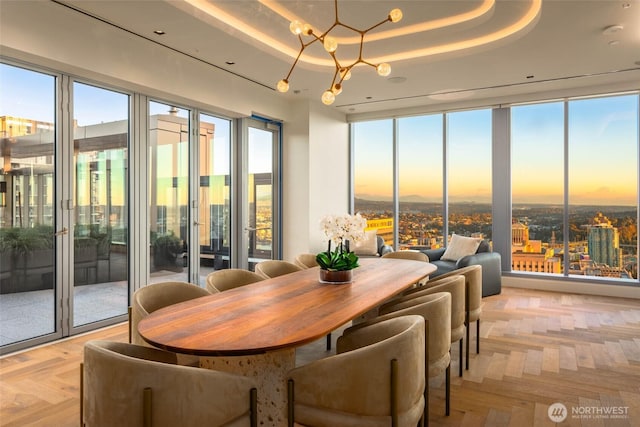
(603, 242)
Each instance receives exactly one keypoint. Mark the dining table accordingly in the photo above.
(254, 329)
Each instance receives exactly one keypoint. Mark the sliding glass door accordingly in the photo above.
(28, 292)
(260, 201)
(100, 151)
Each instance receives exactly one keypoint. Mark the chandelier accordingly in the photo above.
(341, 72)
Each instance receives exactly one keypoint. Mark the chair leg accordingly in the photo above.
(460, 367)
(290, 403)
(81, 394)
(478, 336)
(329, 341)
(467, 344)
(393, 395)
(146, 405)
(253, 405)
(447, 386)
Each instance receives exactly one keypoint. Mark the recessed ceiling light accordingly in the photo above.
(159, 32)
(397, 79)
(626, 5)
(612, 29)
(530, 76)
(614, 42)
(230, 63)
(637, 62)
(369, 97)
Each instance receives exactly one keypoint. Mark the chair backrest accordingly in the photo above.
(353, 387)
(222, 280)
(407, 254)
(306, 260)
(115, 376)
(436, 310)
(453, 285)
(156, 296)
(275, 267)
(473, 284)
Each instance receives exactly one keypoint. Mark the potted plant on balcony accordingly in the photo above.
(166, 249)
(336, 265)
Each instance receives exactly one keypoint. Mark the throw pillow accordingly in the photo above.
(367, 246)
(460, 246)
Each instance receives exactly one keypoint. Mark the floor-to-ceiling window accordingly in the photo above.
(469, 173)
(373, 175)
(574, 187)
(428, 206)
(100, 216)
(420, 181)
(169, 223)
(603, 186)
(537, 187)
(574, 182)
(28, 293)
(214, 224)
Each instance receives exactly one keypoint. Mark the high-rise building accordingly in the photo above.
(603, 242)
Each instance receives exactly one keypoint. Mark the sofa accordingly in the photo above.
(371, 246)
(490, 262)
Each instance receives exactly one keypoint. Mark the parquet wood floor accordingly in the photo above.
(537, 348)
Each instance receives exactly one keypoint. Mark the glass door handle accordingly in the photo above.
(61, 232)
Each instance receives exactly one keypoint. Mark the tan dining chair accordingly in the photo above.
(375, 379)
(455, 285)
(156, 296)
(473, 300)
(275, 267)
(306, 260)
(407, 254)
(127, 385)
(223, 280)
(436, 310)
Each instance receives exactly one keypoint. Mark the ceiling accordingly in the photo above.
(441, 51)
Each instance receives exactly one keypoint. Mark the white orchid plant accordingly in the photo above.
(341, 230)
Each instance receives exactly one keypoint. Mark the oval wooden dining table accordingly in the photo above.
(255, 329)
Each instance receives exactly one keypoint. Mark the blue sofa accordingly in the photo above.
(490, 262)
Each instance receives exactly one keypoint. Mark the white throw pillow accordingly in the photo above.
(368, 245)
(460, 246)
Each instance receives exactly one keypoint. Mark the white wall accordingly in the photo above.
(328, 169)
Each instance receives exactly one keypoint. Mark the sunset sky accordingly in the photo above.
(603, 155)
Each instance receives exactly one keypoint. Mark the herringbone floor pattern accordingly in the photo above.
(537, 348)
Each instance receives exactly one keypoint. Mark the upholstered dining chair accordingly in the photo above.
(275, 267)
(229, 278)
(473, 300)
(407, 254)
(306, 260)
(436, 310)
(129, 385)
(455, 285)
(156, 296)
(411, 255)
(375, 379)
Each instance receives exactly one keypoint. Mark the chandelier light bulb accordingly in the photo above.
(337, 89)
(296, 27)
(345, 74)
(383, 69)
(306, 29)
(283, 86)
(328, 97)
(395, 15)
(330, 44)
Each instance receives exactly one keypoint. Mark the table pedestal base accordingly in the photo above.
(270, 370)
